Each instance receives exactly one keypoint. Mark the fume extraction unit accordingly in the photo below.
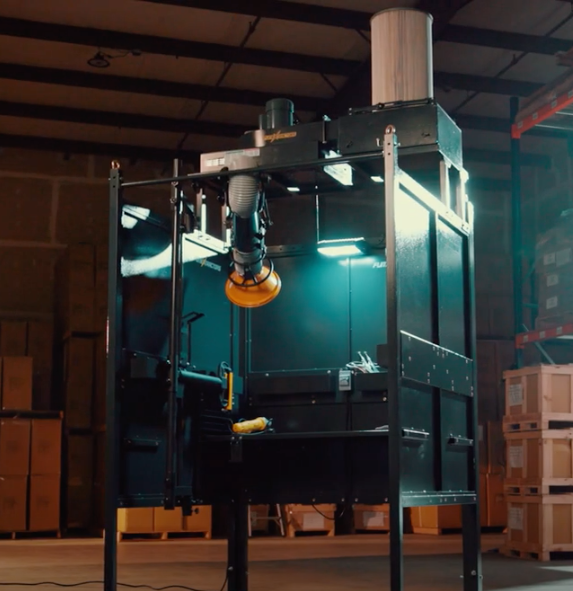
(230, 352)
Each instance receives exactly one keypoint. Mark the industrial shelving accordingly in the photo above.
(551, 107)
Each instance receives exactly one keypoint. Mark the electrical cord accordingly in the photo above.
(326, 516)
(84, 583)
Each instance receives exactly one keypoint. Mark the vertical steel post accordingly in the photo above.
(471, 522)
(394, 415)
(114, 333)
(516, 242)
(174, 339)
(238, 543)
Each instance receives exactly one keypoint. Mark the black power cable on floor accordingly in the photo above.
(84, 583)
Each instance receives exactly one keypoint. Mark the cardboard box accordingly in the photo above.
(78, 382)
(44, 503)
(80, 460)
(101, 282)
(167, 521)
(371, 517)
(79, 506)
(75, 289)
(17, 378)
(136, 521)
(99, 403)
(13, 502)
(14, 447)
(200, 520)
(46, 447)
(12, 338)
(433, 520)
(41, 350)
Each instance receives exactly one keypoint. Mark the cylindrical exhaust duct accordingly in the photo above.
(402, 65)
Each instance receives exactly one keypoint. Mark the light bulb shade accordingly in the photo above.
(247, 293)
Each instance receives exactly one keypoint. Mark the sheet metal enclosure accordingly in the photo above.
(406, 435)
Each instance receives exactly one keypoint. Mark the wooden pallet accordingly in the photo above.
(27, 535)
(540, 554)
(537, 422)
(553, 486)
(162, 536)
(444, 531)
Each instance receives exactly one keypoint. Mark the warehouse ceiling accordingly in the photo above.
(154, 78)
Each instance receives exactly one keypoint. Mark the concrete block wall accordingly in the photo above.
(48, 201)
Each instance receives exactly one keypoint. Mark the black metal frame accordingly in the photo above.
(454, 366)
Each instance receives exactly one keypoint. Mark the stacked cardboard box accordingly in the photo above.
(493, 358)
(26, 349)
(40, 344)
(45, 475)
(539, 446)
(492, 472)
(160, 521)
(554, 273)
(371, 518)
(30, 453)
(81, 318)
(79, 480)
(310, 518)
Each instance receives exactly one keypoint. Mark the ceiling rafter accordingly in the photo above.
(174, 47)
(281, 10)
(97, 80)
(222, 94)
(520, 42)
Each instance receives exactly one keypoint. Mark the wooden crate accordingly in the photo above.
(308, 518)
(436, 520)
(200, 521)
(494, 506)
(259, 517)
(540, 389)
(540, 458)
(371, 518)
(539, 526)
(495, 448)
(138, 521)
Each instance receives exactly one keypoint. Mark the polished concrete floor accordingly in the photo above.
(306, 564)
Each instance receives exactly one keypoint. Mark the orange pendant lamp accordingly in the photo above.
(253, 293)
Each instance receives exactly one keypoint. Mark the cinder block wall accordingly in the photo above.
(47, 201)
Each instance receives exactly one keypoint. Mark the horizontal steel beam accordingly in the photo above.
(121, 120)
(281, 10)
(450, 80)
(173, 47)
(478, 123)
(505, 40)
(154, 154)
(152, 87)
(227, 130)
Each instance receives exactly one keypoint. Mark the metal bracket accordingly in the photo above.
(415, 435)
(141, 444)
(345, 380)
(435, 366)
(457, 441)
(236, 450)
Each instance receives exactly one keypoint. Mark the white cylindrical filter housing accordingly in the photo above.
(402, 65)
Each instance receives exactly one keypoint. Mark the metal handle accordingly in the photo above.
(460, 441)
(415, 435)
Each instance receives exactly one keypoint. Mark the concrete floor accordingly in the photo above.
(303, 564)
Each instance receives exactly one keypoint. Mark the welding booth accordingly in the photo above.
(233, 325)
